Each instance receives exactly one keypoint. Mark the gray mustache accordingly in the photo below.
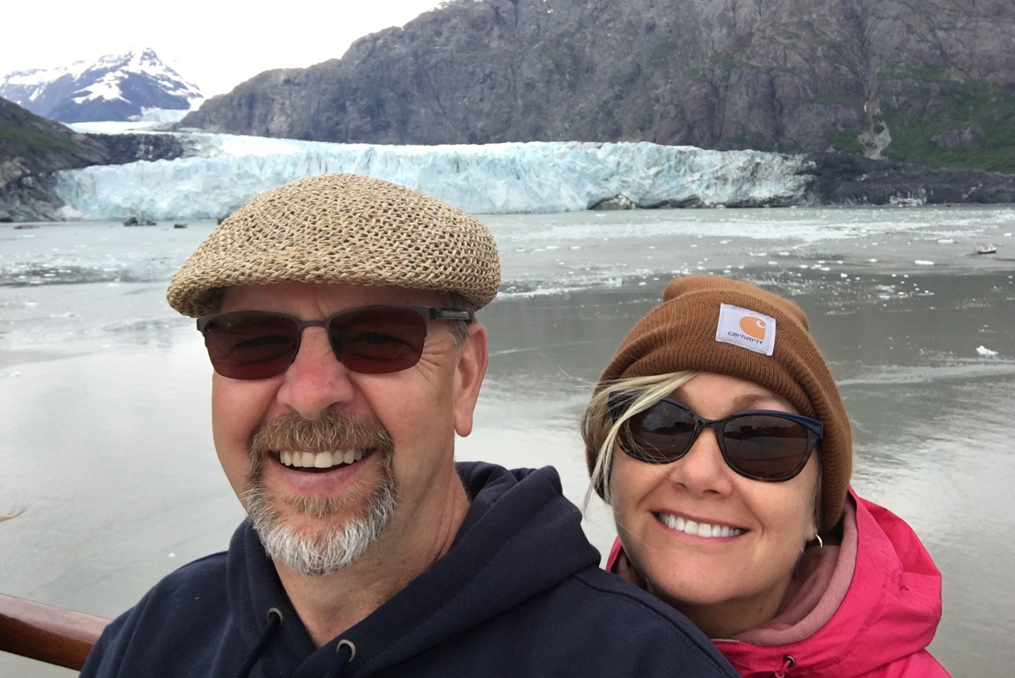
(330, 432)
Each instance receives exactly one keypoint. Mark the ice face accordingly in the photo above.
(223, 171)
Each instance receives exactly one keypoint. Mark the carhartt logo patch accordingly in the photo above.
(746, 328)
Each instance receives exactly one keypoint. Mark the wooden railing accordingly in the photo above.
(49, 634)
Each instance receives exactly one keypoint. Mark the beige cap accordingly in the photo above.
(341, 228)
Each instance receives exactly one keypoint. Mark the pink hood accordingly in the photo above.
(870, 609)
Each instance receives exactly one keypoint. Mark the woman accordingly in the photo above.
(717, 436)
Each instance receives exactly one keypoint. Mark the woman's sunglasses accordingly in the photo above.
(758, 444)
(368, 339)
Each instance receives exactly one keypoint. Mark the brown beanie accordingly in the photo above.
(684, 333)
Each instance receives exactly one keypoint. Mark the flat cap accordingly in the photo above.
(341, 228)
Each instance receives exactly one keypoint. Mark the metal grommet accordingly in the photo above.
(352, 649)
(789, 661)
(277, 613)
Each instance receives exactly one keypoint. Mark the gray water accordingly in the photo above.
(105, 439)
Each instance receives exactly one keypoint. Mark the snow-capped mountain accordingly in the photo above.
(114, 87)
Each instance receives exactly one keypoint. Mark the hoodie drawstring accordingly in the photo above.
(274, 624)
(787, 663)
(345, 651)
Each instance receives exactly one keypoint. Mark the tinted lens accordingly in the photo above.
(377, 340)
(660, 434)
(765, 446)
(251, 345)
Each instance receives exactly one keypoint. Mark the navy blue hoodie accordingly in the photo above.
(519, 593)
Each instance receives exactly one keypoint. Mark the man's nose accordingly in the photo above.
(702, 470)
(316, 380)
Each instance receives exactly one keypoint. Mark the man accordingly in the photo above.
(338, 316)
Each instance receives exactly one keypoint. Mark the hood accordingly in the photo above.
(891, 609)
(519, 538)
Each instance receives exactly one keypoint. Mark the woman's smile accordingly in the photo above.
(710, 529)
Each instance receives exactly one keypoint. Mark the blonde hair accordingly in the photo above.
(600, 430)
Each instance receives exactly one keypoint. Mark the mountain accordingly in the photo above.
(930, 81)
(33, 148)
(115, 87)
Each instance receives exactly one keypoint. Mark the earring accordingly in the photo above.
(814, 554)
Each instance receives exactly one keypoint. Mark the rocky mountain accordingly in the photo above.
(33, 148)
(115, 87)
(927, 80)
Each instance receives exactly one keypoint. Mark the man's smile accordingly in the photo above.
(313, 461)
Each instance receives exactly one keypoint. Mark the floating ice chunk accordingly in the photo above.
(945, 241)
(873, 261)
(923, 262)
(843, 275)
(985, 352)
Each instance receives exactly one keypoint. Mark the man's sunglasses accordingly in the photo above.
(758, 444)
(367, 339)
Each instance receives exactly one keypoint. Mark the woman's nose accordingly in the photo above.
(703, 470)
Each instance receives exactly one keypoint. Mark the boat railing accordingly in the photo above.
(49, 634)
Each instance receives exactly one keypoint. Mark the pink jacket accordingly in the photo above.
(866, 608)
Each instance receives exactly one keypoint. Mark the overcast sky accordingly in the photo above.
(215, 45)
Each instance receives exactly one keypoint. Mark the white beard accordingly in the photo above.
(314, 555)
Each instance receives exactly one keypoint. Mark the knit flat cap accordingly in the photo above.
(341, 228)
(693, 330)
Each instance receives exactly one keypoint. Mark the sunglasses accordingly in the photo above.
(367, 339)
(758, 444)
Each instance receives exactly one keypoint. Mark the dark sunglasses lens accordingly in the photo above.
(378, 340)
(660, 434)
(766, 447)
(251, 345)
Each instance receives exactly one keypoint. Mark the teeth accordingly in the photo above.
(698, 529)
(319, 459)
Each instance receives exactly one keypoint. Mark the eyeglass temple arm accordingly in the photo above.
(451, 314)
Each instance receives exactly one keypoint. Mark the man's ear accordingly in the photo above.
(473, 358)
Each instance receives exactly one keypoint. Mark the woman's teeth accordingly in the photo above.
(698, 529)
(319, 459)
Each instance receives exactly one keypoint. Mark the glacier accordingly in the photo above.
(220, 172)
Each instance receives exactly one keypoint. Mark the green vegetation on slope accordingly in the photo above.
(955, 107)
(34, 141)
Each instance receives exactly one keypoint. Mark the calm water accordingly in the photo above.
(106, 439)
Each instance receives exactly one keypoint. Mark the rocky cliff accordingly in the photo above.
(927, 80)
(33, 148)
